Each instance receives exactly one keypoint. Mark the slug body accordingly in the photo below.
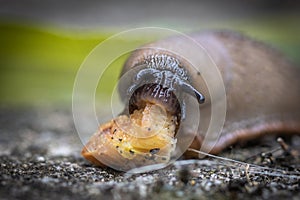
(262, 88)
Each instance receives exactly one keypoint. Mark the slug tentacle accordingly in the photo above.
(192, 91)
(142, 77)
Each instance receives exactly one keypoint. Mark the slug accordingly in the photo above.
(262, 94)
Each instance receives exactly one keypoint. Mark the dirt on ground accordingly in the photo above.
(40, 159)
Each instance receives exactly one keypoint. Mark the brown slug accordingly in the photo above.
(262, 94)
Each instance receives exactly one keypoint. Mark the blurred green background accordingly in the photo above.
(39, 58)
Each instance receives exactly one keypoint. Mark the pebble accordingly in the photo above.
(40, 159)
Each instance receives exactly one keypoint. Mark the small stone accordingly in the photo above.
(192, 182)
(40, 159)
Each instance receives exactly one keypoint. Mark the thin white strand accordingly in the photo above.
(251, 168)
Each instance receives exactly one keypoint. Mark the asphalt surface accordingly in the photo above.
(40, 159)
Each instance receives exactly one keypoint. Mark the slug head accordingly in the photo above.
(163, 81)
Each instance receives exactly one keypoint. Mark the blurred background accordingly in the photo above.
(43, 43)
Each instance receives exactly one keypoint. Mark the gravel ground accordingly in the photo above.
(40, 159)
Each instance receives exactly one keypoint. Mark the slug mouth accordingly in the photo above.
(155, 94)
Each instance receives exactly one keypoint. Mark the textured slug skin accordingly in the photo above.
(262, 87)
